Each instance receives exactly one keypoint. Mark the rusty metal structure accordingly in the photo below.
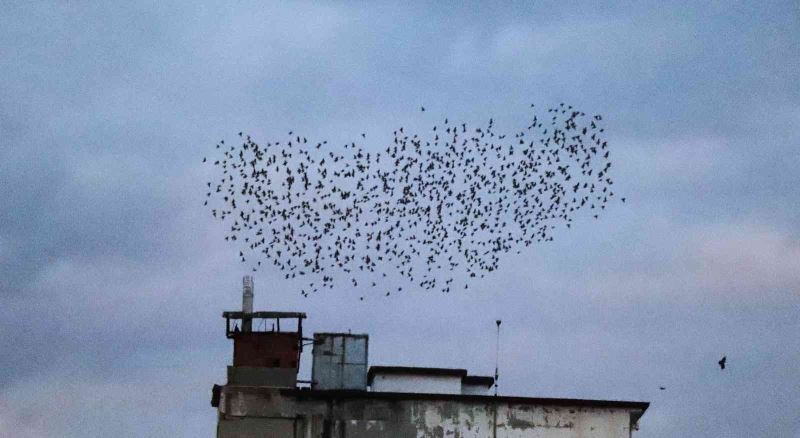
(340, 361)
(270, 347)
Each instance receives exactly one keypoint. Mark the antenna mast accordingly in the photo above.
(247, 303)
(497, 358)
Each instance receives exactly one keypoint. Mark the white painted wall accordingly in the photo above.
(519, 421)
(416, 383)
(468, 389)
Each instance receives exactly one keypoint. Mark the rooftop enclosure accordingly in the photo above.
(433, 384)
(427, 380)
(340, 361)
(269, 352)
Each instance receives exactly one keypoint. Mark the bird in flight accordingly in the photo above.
(431, 207)
(722, 362)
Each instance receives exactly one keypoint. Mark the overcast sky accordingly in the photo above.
(113, 276)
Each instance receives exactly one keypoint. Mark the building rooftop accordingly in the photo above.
(262, 384)
(466, 398)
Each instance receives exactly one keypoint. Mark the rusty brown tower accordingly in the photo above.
(266, 345)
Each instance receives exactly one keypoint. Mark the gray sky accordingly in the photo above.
(113, 276)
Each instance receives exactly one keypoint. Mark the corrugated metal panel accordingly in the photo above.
(339, 361)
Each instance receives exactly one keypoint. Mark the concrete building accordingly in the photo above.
(348, 399)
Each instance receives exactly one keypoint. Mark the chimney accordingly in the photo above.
(247, 302)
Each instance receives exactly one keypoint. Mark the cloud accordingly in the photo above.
(745, 262)
(728, 264)
(585, 48)
(81, 404)
(681, 162)
(113, 279)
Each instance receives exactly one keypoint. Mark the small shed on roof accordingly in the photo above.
(426, 380)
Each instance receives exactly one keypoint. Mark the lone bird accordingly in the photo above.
(722, 362)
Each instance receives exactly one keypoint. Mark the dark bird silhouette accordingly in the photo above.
(425, 207)
(722, 362)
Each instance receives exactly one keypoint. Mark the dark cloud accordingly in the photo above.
(113, 278)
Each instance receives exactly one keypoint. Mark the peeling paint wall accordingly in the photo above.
(363, 417)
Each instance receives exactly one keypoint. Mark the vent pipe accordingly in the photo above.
(247, 302)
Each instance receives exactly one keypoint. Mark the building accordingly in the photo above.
(348, 399)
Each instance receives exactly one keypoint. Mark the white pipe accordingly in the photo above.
(247, 302)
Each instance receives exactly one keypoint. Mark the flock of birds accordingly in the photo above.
(420, 207)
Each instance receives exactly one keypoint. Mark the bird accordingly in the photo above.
(662, 388)
(722, 362)
(425, 207)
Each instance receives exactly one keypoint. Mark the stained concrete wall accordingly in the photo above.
(262, 376)
(259, 427)
(314, 416)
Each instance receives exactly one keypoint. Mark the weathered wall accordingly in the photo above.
(259, 428)
(262, 376)
(416, 383)
(356, 417)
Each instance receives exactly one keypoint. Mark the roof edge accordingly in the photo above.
(352, 335)
(354, 394)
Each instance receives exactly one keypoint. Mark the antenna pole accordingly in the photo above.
(496, 378)
(247, 303)
(497, 357)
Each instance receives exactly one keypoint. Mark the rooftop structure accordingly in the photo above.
(345, 398)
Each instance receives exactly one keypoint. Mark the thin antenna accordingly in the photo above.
(497, 358)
